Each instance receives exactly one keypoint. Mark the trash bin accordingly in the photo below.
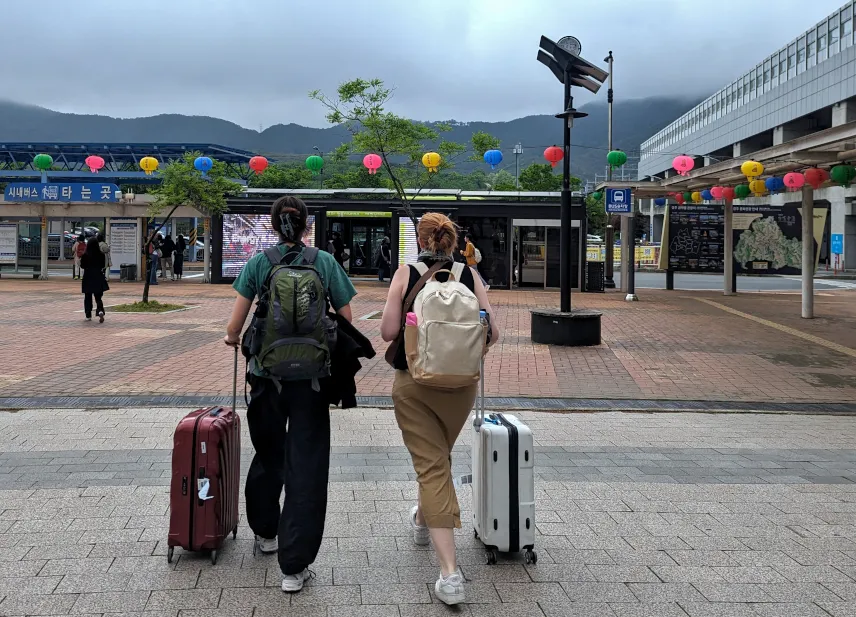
(595, 276)
(127, 272)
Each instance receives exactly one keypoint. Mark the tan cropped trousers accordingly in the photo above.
(430, 421)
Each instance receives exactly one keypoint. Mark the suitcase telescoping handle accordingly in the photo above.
(216, 411)
(479, 420)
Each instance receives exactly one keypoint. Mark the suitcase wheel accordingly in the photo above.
(491, 557)
(214, 557)
(235, 533)
(530, 557)
(169, 554)
(475, 534)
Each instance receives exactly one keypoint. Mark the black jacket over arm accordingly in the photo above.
(351, 345)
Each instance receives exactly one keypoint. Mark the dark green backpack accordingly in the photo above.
(291, 333)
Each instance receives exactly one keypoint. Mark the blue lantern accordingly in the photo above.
(493, 158)
(203, 164)
(774, 185)
(660, 202)
(706, 195)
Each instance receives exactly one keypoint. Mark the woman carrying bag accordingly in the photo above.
(92, 264)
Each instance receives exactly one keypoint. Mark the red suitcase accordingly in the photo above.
(206, 478)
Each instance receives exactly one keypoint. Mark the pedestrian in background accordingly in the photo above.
(167, 250)
(384, 260)
(178, 259)
(77, 250)
(93, 262)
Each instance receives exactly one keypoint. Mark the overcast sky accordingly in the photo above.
(253, 61)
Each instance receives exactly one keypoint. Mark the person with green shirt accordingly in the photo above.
(289, 420)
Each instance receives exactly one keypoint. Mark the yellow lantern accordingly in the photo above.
(696, 196)
(431, 160)
(758, 187)
(751, 169)
(148, 164)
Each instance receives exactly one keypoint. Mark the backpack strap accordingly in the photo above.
(427, 274)
(310, 253)
(273, 255)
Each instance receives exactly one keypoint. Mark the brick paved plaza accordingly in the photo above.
(638, 514)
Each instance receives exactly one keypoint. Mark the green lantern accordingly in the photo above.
(597, 195)
(616, 158)
(314, 164)
(843, 174)
(688, 196)
(43, 162)
(741, 191)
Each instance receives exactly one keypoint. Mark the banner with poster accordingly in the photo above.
(9, 243)
(124, 243)
(768, 239)
(244, 235)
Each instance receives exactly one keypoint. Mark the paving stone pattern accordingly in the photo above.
(668, 346)
(637, 514)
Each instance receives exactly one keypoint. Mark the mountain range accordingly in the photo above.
(634, 121)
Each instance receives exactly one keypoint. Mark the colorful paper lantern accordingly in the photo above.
(258, 164)
(843, 174)
(751, 169)
(728, 193)
(717, 192)
(597, 195)
(94, 163)
(554, 154)
(372, 162)
(660, 202)
(148, 164)
(43, 162)
(816, 177)
(203, 164)
(679, 197)
(616, 158)
(742, 191)
(688, 196)
(706, 195)
(431, 161)
(696, 197)
(794, 181)
(774, 184)
(683, 164)
(314, 164)
(758, 188)
(493, 158)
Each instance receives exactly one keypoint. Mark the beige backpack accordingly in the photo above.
(445, 348)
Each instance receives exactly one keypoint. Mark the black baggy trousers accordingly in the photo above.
(290, 431)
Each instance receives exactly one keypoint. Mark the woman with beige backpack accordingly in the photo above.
(437, 317)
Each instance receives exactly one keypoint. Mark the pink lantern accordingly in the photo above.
(794, 181)
(94, 163)
(683, 164)
(717, 192)
(372, 163)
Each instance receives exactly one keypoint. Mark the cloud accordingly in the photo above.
(254, 62)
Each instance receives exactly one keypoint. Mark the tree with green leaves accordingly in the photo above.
(361, 107)
(540, 177)
(595, 215)
(501, 181)
(182, 185)
(282, 176)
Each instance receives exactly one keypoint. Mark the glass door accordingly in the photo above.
(532, 257)
(360, 249)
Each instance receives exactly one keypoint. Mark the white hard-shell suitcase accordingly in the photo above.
(503, 483)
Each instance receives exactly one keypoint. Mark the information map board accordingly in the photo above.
(694, 238)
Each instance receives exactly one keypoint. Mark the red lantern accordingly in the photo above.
(728, 192)
(554, 154)
(679, 197)
(372, 163)
(816, 177)
(717, 192)
(258, 164)
(794, 181)
(94, 163)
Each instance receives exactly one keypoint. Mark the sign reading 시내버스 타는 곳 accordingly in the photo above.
(62, 192)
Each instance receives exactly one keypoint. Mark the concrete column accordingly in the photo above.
(625, 253)
(62, 240)
(737, 150)
(206, 239)
(728, 249)
(43, 276)
(807, 252)
(844, 112)
(107, 240)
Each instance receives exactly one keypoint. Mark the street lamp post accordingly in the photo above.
(518, 150)
(609, 258)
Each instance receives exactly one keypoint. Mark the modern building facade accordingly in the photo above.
(806, 86)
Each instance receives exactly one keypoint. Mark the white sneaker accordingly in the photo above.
(450, 589)
(267, 546)
(292, 583)
(421, 535)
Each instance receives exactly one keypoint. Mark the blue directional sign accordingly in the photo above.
(837, 244)
(62, 192)
(618, 201)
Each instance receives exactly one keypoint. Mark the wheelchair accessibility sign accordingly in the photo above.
(618, 201)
